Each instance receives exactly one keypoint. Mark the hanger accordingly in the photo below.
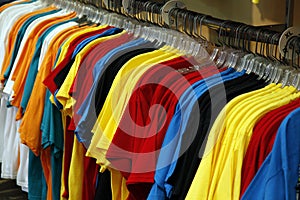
(174, 38)
(204, 40)
(235, 57)
(185, 22)
(280, 73)
(199, 41)
(160, 18)
(69, 6)
(295, 45)
(255, 63)
(158, 14)
(288, 76)
(224, 58)
(294, 80)
(176, 12)
(195, 44)
(228, 54)
(180, 19)
(152, 8)
(246, 59)
(138, 11)
(216, 51)
(189, 42)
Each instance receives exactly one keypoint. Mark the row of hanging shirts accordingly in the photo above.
(112, 108)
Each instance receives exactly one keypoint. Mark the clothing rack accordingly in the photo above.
(232, 33)
(151, 12)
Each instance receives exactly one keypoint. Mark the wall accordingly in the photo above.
(267, 12)
(297, 13)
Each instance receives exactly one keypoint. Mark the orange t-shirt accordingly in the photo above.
(20, 73)
(30, 133)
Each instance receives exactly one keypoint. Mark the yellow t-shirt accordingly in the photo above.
(242, 130)
(63, 94)
(66, 45)
(76, 172)
(220, 169)
(213, 146)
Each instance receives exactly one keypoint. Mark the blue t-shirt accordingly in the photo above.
(37, 186)
(171, 145)
(86, 41)
(278, 175)
(53, 137)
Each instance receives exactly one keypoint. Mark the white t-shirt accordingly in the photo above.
(50, 37)
(3, 111)
(22, 176)
(10, 161)
(7, 19)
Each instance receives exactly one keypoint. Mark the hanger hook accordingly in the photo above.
(202, 18)
(148, 11)
(233, 31)
(176, 12)
(237, 35)
(220, 33)
(274, 45)
(257, 38)
(242, 37)
(184, 24)
(223, 28)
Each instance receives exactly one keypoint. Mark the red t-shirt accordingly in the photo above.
(49, 81)
(68, 147)
(143, 128)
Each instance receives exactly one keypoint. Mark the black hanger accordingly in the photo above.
(247, 39)
(238, 36)
(185, 22)
(257, 41)
(222, 28)
(245, 45)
